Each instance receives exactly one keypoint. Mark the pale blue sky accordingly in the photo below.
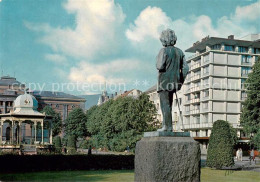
(63, 41)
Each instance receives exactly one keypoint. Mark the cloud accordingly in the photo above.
(250, 12)
(97, 26)
(56, 58)
(152, 20)
(112, 72)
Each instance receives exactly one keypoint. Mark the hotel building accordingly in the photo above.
(214, 87)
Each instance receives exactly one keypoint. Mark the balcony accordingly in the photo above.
(195, 111)
(195, 66)
(197, 126)
(187, 102)
(243, 98)
(195, 77)
(195, 89)
(244, 75)
(195, 100)
(246, 63)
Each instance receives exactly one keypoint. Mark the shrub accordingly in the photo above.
(220, 146)
(32, 163)
(57, 144)
(71, 147)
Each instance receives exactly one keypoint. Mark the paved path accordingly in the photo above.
(245, 164)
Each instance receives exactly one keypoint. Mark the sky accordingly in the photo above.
(77, 46)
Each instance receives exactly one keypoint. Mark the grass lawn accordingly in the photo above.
(207, 175)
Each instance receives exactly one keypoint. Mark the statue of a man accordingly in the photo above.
(173, 70)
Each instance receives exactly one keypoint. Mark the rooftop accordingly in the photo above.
(209, 41)
(8, 80)
(152, 89)
(52, 94)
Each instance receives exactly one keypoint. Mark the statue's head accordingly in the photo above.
(168, 38)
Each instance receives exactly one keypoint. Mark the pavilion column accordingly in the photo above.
(1, 125)
(12, 132)
(35, 131)
(20, 132)
(42, 132)
(17, 133)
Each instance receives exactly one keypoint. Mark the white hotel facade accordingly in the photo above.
(214, 87)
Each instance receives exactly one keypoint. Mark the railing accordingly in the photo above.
(195, 66)
(195, 77)
(195, 100)
(244, 74)
(195, 111)
(246, 63)
(194, 89)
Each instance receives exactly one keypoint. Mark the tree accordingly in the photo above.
(57, 144)
(56, 120)
(71, 147)
(250, 117)
(119, 123)
(75, 124)
(234, 138)
(220, 151)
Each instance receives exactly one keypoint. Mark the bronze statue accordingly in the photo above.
(173, 70)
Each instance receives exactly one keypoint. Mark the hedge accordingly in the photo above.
(27, 163)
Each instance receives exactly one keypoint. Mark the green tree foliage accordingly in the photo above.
(119, 123)
(250, 117)
(220, 150)
(71, 146)
(57, 144)
(56, 120)
(75, 124)
(233, 132)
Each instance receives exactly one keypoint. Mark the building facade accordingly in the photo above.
(10, 89)
(214, 87)
(61, 102)
(176, 107)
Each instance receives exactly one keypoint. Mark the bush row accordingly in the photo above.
(16, 163)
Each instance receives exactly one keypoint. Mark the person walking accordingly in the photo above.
(237, 154)
(252, 155)
(241, 154)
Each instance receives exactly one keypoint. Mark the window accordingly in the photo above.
(206, 58)
(246, 59)
(256, 51)
(206, 70)
(206, 132)
(197, 133)
(197, 120)
(243, 95)
(242, 49)
(216, 47)
(205, 105)
(188, 97)
(246, 70)
(206, 93)
(197, 107)
(187, 108)
(197, 96)
(57, 106)
(228, 48)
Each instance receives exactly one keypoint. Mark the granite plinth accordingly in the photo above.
(160, 159)
(166, 134)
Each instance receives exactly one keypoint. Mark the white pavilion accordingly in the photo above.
(25, 125)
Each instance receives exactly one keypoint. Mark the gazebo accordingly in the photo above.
(25, 125)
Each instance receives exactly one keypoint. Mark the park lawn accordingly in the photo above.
(207, 175)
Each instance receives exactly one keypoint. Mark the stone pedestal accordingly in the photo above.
(167, 158)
